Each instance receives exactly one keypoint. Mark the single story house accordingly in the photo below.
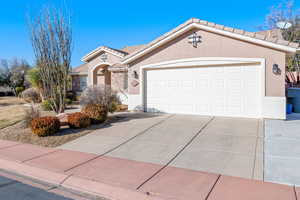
(198, 68)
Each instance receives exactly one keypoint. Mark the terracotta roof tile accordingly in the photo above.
(226, 28)
(239, 31)
(219, 26)
(131, 49)
(81, 69)
(260, 36)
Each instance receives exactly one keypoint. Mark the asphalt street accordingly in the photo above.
(14, 190)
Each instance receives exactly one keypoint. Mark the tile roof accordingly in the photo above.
(272, 34)
(131, 49)
(81, 69)
(95, 52)
(259, 35)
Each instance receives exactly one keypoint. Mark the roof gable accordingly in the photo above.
(255, 38)
(116, 52)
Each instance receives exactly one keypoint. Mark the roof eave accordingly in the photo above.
(192, 25)
(78, 73)
(92, 54)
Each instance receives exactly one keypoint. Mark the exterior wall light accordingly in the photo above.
(194, 39)
(135, 75)
(276, 70)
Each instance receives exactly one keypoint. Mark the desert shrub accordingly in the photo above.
(100, 95)
(96, 112)
(46, 105)
(32, 113)
(31, 95)
(78, 120)
(19, 90)
(45, 126)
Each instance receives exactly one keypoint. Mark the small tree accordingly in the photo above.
(51, 37)
(12, 73)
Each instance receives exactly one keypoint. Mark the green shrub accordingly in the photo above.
(113, 107)
(68, 101)
(46, 105)
(19, 90)
(45, 126)
(78, 120)
(96, 112)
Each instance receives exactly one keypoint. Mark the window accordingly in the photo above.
(82, 82)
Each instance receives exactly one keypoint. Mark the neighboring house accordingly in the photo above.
(197, 68)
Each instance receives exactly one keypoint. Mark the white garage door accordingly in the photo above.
(213, 90)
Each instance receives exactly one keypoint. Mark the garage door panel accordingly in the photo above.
(224, 91)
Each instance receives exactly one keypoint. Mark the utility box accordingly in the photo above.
(293, 97)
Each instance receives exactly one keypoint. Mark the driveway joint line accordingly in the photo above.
(213, 187)
(123, 143)
(264, 144)
(177, 154)
(295, 192)
(255, 153)
(24, 161)
(65, 179)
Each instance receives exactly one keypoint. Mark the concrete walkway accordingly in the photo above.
(116, 178)
(229, 146)
(282, 150)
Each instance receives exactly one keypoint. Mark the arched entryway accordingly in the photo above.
(100, 75)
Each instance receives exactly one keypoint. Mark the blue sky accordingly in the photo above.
(120, 23)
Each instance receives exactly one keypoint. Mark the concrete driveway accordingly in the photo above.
(230, 146)
(282, 150)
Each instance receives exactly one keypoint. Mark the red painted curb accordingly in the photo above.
(33, 172)
(104, 190)
(74, 183)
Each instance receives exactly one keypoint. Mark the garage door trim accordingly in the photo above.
(200, 62)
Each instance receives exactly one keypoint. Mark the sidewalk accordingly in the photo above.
(121, 179)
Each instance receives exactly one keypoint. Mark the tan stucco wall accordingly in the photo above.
(214, 45)
(118, 80)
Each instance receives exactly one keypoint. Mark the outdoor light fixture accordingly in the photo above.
(276, 70)
(194, 39)
(135, 74)
(103, 57)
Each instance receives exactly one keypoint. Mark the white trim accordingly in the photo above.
(274, 107)
(97, 51)
(203, 62)
(214, 30)
(78, 73)
(134, 102)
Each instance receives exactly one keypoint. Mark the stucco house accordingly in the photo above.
(198, 68)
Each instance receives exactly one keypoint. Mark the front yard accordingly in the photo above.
(12, 127)
(11, 111)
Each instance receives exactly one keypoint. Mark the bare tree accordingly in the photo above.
(286, 12)
(51, 36)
